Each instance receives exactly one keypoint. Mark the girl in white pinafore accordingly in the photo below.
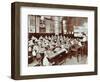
(45, 60)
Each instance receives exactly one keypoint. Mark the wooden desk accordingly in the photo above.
(58, 58)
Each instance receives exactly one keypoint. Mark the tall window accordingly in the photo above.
(31, 23)
(42, 25)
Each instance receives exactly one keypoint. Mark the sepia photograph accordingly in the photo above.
(57, 40)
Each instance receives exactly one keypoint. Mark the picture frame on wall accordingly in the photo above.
(53, 40)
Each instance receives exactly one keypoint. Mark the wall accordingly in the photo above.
(5, 40)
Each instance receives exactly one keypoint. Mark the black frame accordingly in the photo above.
(15, 40)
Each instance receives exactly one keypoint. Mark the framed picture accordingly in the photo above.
(51, 40)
